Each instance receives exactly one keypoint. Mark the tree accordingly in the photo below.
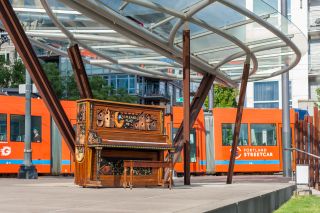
(4, 74)
(100, 90)
(11, 75)
(318, 93)
(54, 76)
(123, 96)
(223, 97)
(18, 74)
(71, 89)
(99, 87)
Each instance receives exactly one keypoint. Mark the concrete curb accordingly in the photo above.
(265, 203)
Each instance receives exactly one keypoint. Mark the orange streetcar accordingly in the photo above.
(197, 141)
(260, 144)
(50, 153)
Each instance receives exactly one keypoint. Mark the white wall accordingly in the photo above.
(299, 74)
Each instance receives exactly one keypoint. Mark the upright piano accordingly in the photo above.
(120, 145)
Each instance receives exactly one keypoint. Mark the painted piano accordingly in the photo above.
(121, 145)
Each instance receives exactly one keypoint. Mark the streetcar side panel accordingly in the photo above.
(260, 143)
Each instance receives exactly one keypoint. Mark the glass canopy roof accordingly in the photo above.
(144, 37)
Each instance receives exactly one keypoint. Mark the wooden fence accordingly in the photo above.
(307, 136)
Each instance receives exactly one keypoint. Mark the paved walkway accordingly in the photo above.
(59, 194)
(315, 192)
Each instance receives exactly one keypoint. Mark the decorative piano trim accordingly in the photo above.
(93, 138)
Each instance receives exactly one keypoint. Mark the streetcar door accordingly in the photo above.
(56, 149)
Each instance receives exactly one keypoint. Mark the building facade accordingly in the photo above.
(267, 93)
(314, 48)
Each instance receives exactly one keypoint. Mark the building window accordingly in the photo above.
(122, 82)
(17, 128)
(126, 82)
(266, 94)
(132, 84)
(114, 81)
(17, 125)
(193, 146)
(227, 134)
(3, 127)
(263, 135)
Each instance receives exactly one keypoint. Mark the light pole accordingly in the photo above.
(27, 170)
(286, 133)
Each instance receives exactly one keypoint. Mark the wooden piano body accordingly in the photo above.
(109, 134)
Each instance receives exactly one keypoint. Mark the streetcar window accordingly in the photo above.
(36, 129)
(193, 156)
(17, 128)
(3, 127)
(263, 135)
(227, 134)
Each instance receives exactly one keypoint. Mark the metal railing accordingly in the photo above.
(299, 150)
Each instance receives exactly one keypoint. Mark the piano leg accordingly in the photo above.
(131, 175)
(124, 177)
(98, 159)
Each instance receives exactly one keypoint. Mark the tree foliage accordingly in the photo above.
(224, 96)
(11, 75)
(71, 91)
(100, 90)
(56, 81)
(318, 93)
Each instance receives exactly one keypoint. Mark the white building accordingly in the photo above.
(314, 48)
(267, 93)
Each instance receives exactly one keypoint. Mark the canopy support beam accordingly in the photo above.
(30, 60)
(196, 104)
(79, 72)
(236, 132)
(186, 104)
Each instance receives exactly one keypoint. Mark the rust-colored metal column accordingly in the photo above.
(196, 104)
(305, 139)
(235, 141)
(296, 136)
(300, 141)
(186, 104)
(30, 60)
(316, 148)
(311, 158)
(79, 72)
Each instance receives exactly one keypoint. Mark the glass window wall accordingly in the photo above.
(266, 94)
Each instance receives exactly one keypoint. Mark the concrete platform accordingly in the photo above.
(208, 193)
